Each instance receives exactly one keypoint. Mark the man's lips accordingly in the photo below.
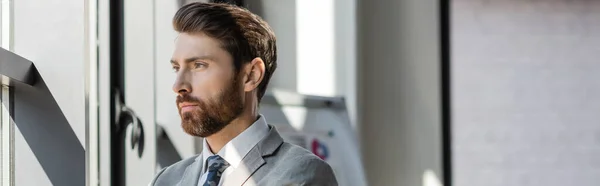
(185, 106)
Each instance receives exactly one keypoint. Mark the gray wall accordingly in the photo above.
(51, 34)
(399, 97)
(526, 93)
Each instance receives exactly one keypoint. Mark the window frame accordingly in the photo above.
(7, 137)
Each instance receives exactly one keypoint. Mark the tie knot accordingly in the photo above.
(216, 163)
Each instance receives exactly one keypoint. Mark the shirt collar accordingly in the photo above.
(234, 151)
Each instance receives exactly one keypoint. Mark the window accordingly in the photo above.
(6, 139)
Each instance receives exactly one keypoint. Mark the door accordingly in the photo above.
(132, 124)
(136, 123)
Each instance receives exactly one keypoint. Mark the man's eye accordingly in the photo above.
(199, 65)
(175, 68)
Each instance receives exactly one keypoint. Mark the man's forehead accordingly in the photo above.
(187, 45)
(198, 46)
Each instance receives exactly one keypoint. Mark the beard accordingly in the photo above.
(214, 113)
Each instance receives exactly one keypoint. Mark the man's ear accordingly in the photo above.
(254, 74)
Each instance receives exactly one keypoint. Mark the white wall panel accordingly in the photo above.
(525, 92)
(51, 34)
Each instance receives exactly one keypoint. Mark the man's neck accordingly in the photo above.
(233, 129)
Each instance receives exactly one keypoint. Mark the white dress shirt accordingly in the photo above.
(234, 151)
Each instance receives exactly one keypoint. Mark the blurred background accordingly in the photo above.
(403, 92)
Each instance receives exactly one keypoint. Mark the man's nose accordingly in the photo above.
(181, 85)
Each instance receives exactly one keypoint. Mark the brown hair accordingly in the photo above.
(243, 34)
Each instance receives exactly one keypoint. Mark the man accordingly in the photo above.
(224, 57)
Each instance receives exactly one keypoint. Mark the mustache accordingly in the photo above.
(187, 98)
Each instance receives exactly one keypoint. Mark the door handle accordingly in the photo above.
(126, 116)
(137, 130)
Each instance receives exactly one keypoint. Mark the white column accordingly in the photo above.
(399, 97)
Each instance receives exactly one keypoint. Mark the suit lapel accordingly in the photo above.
(254, 159)
(191, 176)
(249, 165)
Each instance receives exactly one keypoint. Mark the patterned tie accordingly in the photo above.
(216, 166)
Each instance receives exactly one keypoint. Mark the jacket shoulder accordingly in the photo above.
(172, 174)
(296, 165)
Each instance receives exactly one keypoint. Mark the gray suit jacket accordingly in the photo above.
(271, 162)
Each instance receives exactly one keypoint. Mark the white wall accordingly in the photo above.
(526, 93)
(51, 34)
(55, 43)
(399, 97)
